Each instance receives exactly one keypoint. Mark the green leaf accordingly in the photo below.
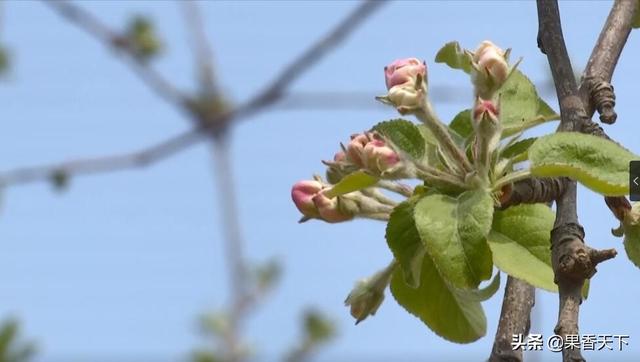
(585, 289)
(479, 295)
(520, 244)
(518, 148)
(635, 23)
(454, 56)
(595, 162)
(631, 226)
(4, 59)
(461, 123)
(439, 306)
(545, 110)
(405, 244)
(520, 106)
(404, 135)
(454, 232)
(352, 182)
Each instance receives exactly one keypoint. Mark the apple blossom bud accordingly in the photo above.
(402, 71)
(329, 209)
(379, 157)
(302, 194)
(368, 294)
(364, 301)
(491, 69)
(355, 148)
(488, 129)
(485, 108)
(340, 157)
(406, 81)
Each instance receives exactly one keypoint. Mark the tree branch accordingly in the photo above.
(117, 42)
(532, 191)
(95, 165)
(201, 49)
(515, 319)
(272, 92)
(595, 91)
(572, 260)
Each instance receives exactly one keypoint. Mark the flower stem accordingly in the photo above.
(426, 114)
(511, 178)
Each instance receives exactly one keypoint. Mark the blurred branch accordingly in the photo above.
(104, 164)
(155, 153)
(317, 330)
(119, 43)
(234, 244)
(201, 48)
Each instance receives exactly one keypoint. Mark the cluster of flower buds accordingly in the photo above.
(406, 81)
(365, 151)
(368, 294)
(310, 197)
(490, 69)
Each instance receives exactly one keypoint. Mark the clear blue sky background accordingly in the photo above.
(121, 265)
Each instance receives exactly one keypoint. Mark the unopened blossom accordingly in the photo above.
(309, 198)
(355, 148)
(491, 69)
(485, 108)
(368, 294)
(340, 157)
(402, 71)
(487, 127)
(406, 81)
(364, 300)
(330, 209)
(379, 157)
(302, 194)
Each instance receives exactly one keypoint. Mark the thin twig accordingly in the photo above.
(234, 244)
(201, 48)
(316, 52)
(160, 151)
(95, 165)
(112, 39)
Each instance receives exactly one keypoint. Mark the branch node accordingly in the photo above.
(604, 98)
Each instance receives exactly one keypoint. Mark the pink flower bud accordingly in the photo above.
(492, 65)
(484, 108)
(302, 194)
(340, 157)
(402, 71)
(329, 209)
(355, 148)
(379, 157)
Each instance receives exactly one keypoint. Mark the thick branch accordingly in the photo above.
(515, 319)
(533, 191)
(572, 260)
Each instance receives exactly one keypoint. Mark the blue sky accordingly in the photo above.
(122, 264)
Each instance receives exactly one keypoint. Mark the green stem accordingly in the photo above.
(396, 187)
(511, 178)
(426, 114)
(437, 177)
